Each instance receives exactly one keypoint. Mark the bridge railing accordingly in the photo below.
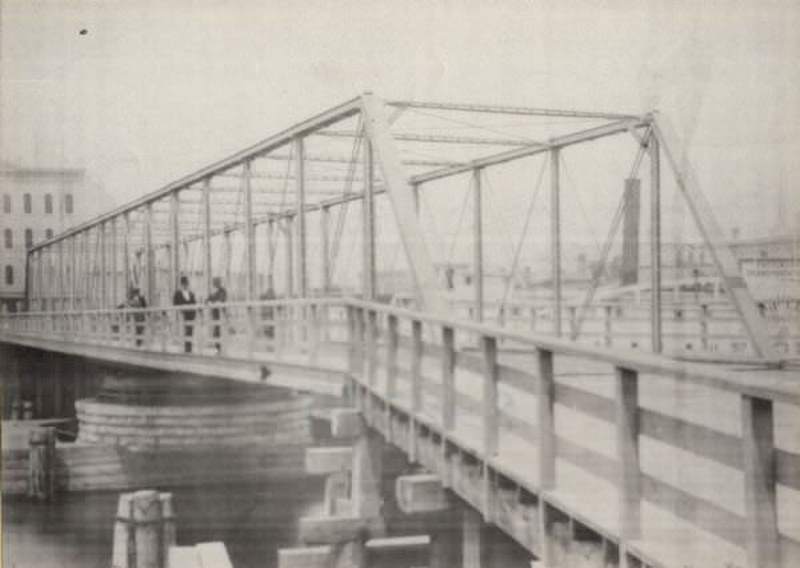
(711, 327)
(233, 328)
(630, 420)
(634, 409)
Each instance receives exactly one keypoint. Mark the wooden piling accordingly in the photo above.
(147, 525)
(122, 553)
(168, 530)
(41, 463)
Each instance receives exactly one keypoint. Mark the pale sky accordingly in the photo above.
(157, 89)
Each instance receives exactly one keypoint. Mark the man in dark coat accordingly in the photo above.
(183, 297)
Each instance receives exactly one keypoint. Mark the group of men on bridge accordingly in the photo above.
(184, 296)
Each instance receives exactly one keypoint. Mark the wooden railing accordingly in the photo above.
(473, 385)
(711, 327)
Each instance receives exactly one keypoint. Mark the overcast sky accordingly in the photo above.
(154, 89)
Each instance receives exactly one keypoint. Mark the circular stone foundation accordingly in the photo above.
(189, 411)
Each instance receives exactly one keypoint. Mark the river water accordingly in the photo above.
(75, 531)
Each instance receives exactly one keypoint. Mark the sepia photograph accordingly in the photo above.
(400, 284)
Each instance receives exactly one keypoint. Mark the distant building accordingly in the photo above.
(35, 204)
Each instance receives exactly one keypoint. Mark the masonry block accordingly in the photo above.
(422, 493)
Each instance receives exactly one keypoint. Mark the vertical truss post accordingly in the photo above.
(724, 259)
(29, 292)
(368, 223)
(149, 269)
(73, 275)
(655, 245)
(174, 240)
(478, 244)
(61, 291)
(101, 251)
(40, 280)
(401, 195)
(555, 238)
(324, 215)
(270, 253)
(114, 266)
(207, 266)
(300, 227)
(226, 259)
(126, 252)
(249, 235)
(289, 257)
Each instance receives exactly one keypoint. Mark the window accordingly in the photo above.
(28, 238)
(48, 204)
(9, 238)
(9, 275)
(68, 204)
(27, 203)
(6, 203)
(48, 233)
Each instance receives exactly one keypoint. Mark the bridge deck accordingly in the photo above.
(692, 465)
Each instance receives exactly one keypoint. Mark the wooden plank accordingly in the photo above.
(306, 557)
(585, 402)
(704, 514)
(179, 557)
(627, 399)
(331, 530)
(213, 555)
(699, 440)
(761, 520)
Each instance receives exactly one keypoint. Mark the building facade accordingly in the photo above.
(35, 204)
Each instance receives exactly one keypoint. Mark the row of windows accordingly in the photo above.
(27, 203)
(8, 237)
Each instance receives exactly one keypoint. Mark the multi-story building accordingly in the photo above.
(35, 204)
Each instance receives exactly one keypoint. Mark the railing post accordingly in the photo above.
(758, 438)
(352, 332)
(704, 326)
(491, 426)
(371, 347)
(417, 352)
(314, 322)
(547, 435)
(607, 327)
(448, 379)
(392, 342)
(627, 409)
